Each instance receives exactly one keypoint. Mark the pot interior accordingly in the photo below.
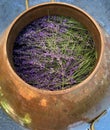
(52, 9)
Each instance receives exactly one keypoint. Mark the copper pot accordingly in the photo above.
(54, 110)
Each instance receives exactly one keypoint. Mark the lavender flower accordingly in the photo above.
(54, 53)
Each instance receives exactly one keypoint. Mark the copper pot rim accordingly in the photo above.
(75, 87)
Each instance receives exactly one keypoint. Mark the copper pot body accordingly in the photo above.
(54, 110)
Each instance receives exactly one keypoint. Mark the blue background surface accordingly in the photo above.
(99, 9)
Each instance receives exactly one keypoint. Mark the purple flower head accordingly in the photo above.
(45, 53)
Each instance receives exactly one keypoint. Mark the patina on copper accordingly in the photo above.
(54, 110)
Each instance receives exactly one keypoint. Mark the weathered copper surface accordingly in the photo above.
(54, 110)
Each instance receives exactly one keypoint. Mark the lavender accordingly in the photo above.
(54, 53)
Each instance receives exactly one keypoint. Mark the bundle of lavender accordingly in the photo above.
(54, 53)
